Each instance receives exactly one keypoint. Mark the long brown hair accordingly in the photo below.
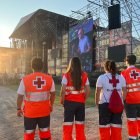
(75, 70)
(110, 66)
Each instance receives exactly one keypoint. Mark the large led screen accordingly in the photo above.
(81, 43)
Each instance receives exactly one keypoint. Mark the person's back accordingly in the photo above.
(110, 123)
(74, 92)
(70, 89)
(132, 102)
(132, 77)
(38, 91)
(107, 86)
(37, 86)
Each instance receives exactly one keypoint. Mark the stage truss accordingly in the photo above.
(130, 16)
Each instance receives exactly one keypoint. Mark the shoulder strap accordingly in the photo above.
(112, 85)
(103, 92)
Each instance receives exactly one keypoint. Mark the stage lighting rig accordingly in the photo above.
(77, 12)
(113, 2)
(89, 14)
(94, 3)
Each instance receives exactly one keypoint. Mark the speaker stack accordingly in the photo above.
(114, 17)
(117, 53)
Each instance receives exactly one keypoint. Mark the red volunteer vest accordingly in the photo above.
(132, 77)
(73, 95)
(37, 98)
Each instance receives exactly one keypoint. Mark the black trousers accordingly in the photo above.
(31, 123)
(74, 110)
(132, 110)
(107, 117)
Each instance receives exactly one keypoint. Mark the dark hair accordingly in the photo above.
(110, 66)
(75, 71)
(131, 59)
(37, 64)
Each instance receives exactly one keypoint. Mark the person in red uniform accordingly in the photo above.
(132, 102)
(38, 92)
(110, 123)
(74, 92)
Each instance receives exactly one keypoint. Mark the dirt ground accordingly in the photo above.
(11, 127)
(91, 124)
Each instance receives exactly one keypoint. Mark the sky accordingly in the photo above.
(11, 11)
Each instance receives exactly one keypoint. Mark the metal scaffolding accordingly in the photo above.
(130, 20)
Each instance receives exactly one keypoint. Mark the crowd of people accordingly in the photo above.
(37, 90)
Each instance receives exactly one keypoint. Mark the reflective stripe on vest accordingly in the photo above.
(37, 96)
(71, 90)
(75, 92)
(133, 85)
(133, 89)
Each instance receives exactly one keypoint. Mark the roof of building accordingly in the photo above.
(28, 22)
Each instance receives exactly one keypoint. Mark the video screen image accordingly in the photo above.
(81, 43)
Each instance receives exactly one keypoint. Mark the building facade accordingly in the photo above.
(43, 34)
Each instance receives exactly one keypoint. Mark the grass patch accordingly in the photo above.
(89, 103)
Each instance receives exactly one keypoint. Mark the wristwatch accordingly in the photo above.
(19, 108)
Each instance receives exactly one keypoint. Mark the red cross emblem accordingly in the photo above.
(39, 83)
(114, 81)
(134, 74)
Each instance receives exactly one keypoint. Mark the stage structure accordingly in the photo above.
(82, 42)
(45, 34)
(42, 34)
(128, 35)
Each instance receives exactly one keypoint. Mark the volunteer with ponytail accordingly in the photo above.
(110, 124)
(74, 93)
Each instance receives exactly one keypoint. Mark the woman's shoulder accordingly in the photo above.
(83, 72)
(102, 76)
(66, 73)
(120, 76)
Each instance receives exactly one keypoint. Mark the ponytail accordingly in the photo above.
(110, 66)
